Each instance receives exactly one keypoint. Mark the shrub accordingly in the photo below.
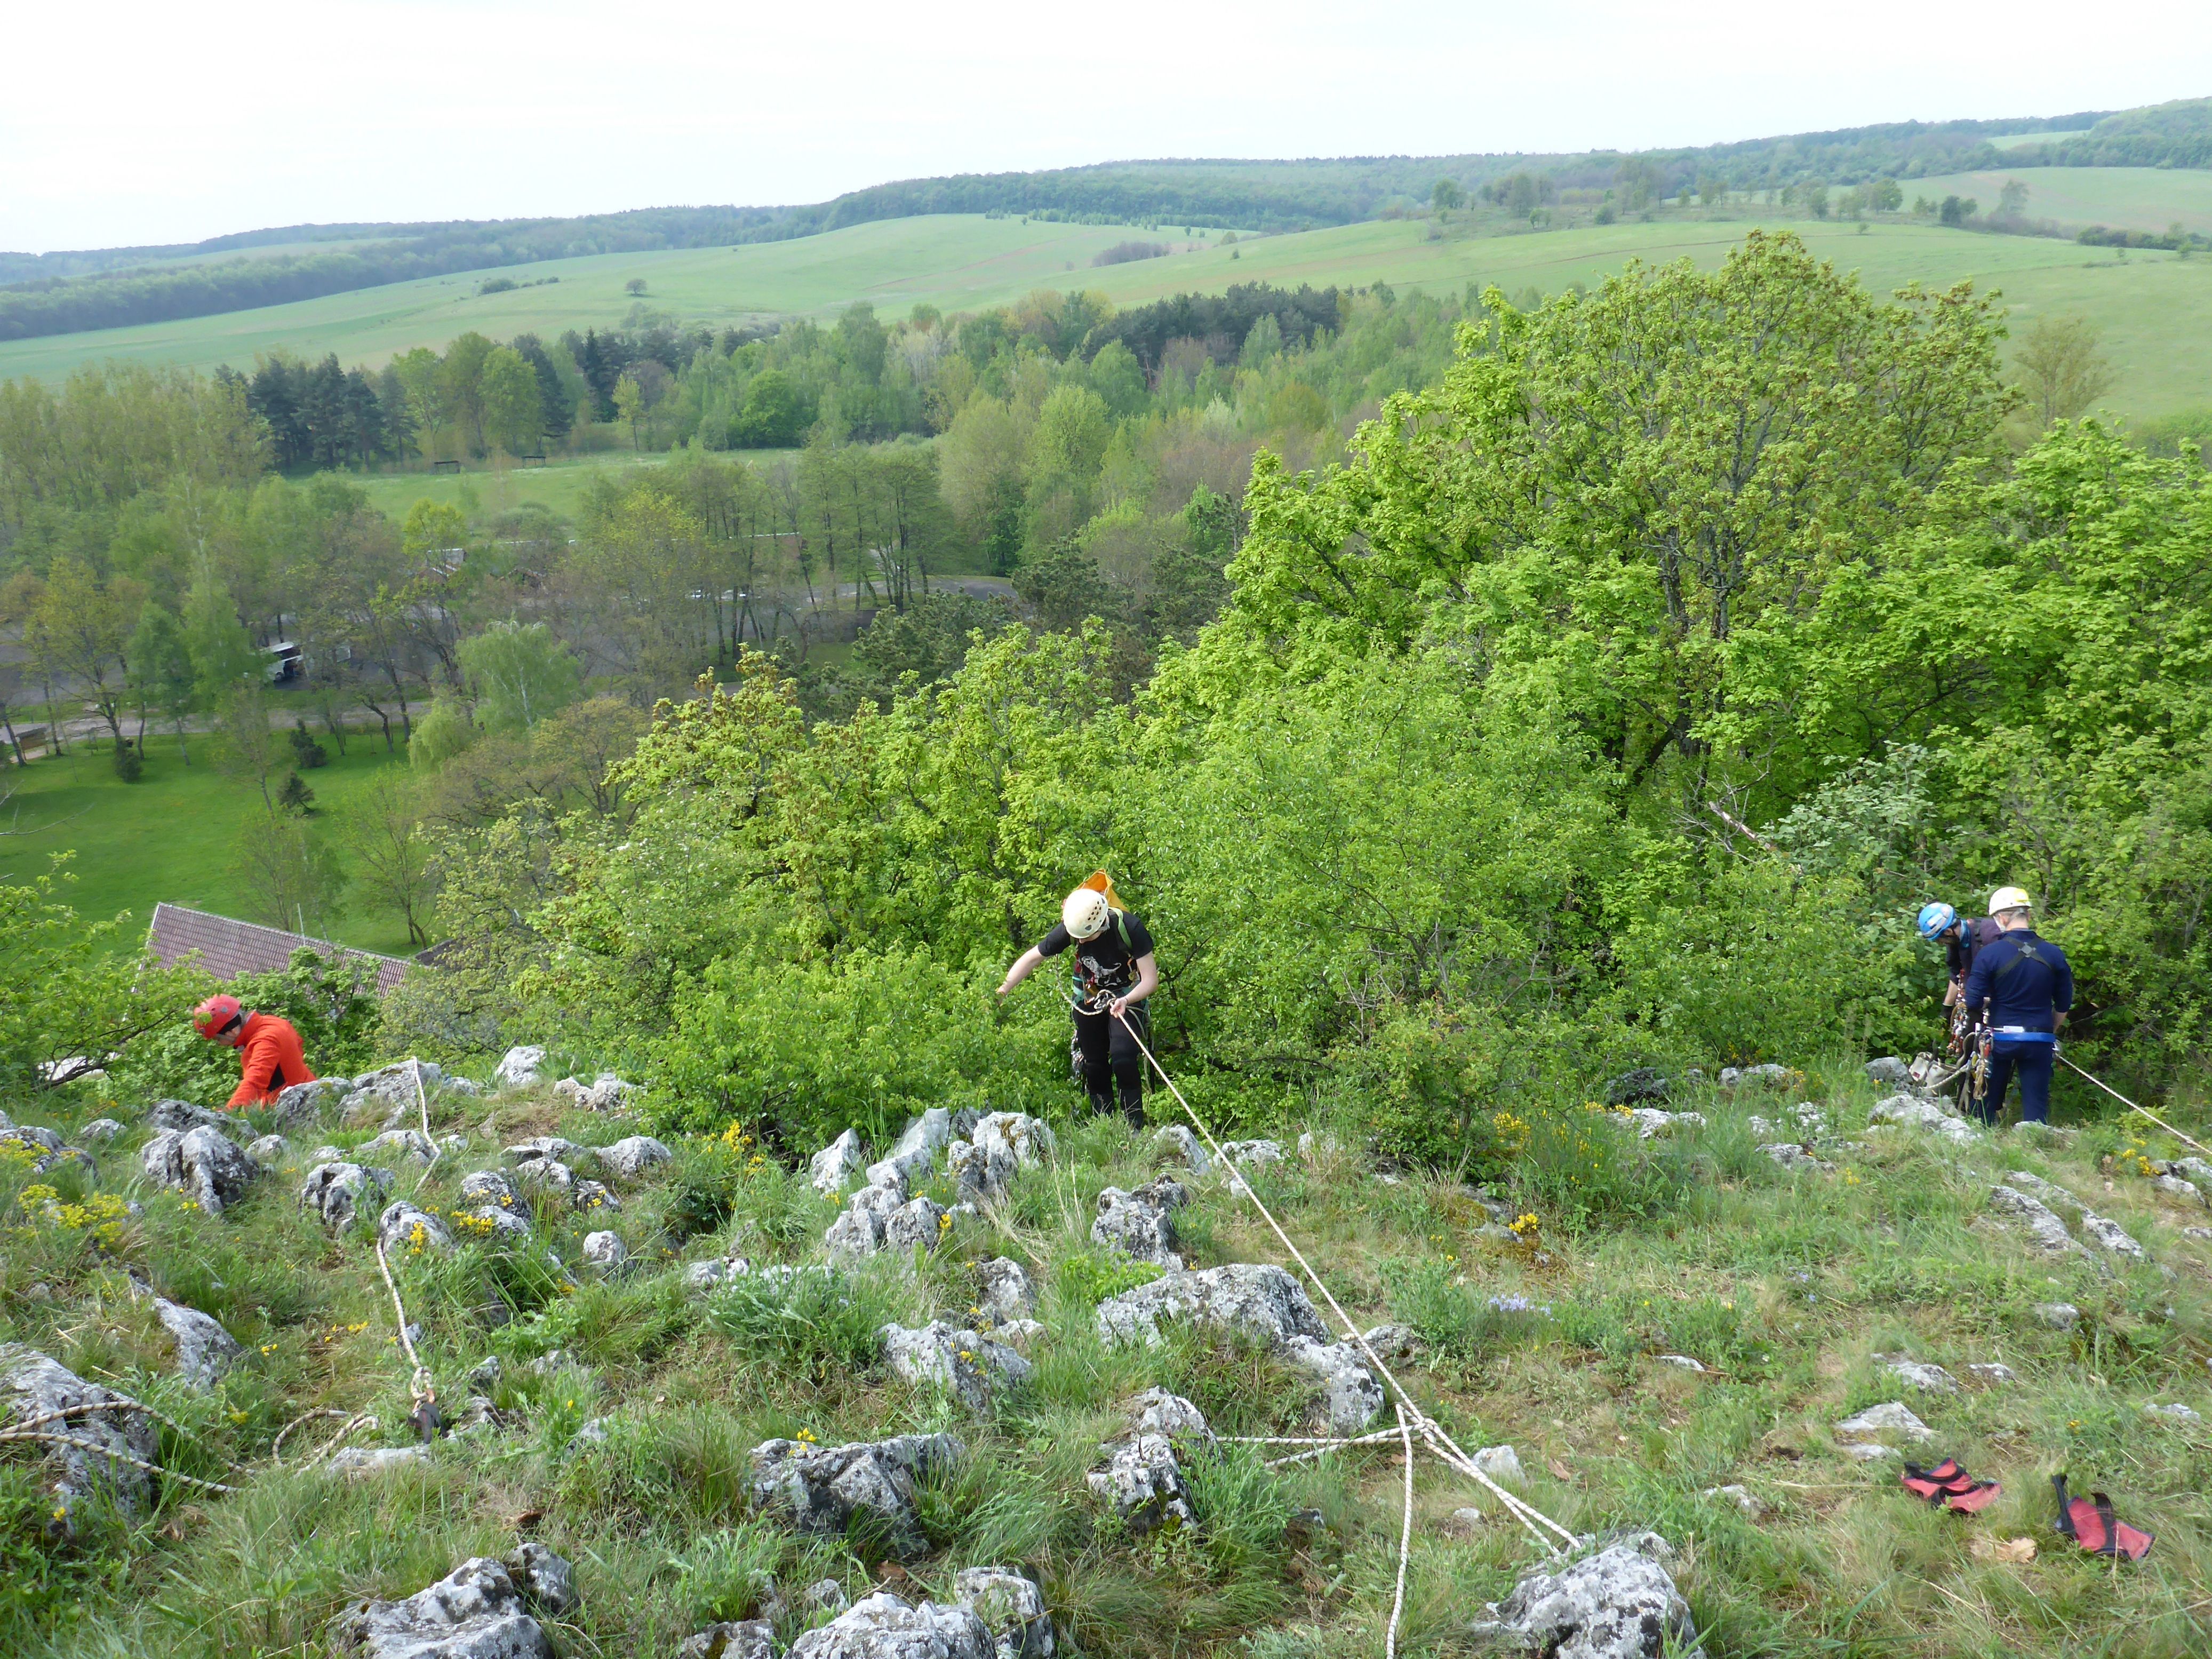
(130, 765)
(817, 1318)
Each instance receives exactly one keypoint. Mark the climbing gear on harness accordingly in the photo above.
(1948, 1487)
(2009, 898)
(1936, 920)
(2088, 1522)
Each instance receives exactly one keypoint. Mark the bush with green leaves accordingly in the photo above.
(329, 999)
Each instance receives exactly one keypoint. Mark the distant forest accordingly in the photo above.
(67, 292)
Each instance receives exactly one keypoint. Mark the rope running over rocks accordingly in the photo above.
(1433, 1434)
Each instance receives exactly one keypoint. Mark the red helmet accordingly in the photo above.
(214, 1016)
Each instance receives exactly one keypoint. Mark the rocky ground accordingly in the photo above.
(997, 1386)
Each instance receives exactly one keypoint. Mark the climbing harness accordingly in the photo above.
(1948, 1487)
(2088, 1522)
(1433, 1434)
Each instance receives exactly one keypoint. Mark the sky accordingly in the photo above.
(132, 123)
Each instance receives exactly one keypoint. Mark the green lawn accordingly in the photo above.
(488, 489)
(2127, 199)
(170, 836)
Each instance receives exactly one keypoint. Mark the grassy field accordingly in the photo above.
(2126, 198)
(488, 489)
(170, 836)
(2154, 311)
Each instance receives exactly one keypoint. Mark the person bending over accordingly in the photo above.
(270, 1059)
(1114, 972)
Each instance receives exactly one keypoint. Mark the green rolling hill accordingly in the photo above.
(2154, 309)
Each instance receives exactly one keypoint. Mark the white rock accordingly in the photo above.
(490, 1187)
(2048, 1192)
(202, 1162)
(33, 1386)
(2059, 1316)
(269, 1151)
(548, 1148)
(982, 1174)
(407, 1229)
(475, 1611)
(885, 1626)
(2176, 1411)
(1011, 1607)
(1141, 1223)
(99, 1131)
(1743, 1497)
(1619, 1603)
(735, 1638)
(1142, 1483)
(1502, 1464)
(1253, 1154)
(1651, 1122)
(1028, 1140)
(1872, 1452)
(1006, 1292)
(1174, 1143)
(632, 1156)
(521, 1067)
(1351, 1398)
(1890, 1071)
(362, 1462)
(965, 1364)
(1991, 1374)
(204, 1348)
(2174, 1187)
(2047, 1231)
(339, 1192)
(838, 1163)
(2109, 1236)
(819, 1488)
(1908, 1111)
(1933, 1378)
(1891, 1417)
(1258, 1300)
(1681, 1362)
(410, 1144)
(1158, 1411)
(606, 1250)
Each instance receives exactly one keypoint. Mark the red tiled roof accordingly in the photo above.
(228, 947)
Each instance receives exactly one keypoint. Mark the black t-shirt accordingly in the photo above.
(1105, 963)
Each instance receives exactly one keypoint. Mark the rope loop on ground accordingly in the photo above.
(1533, 1520)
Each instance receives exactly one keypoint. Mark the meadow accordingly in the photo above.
(171, 836)
(2126, 198)
(2153, 310)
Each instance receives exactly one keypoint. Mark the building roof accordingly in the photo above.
(228, 947)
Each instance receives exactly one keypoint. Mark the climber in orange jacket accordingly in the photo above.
(269, 1049)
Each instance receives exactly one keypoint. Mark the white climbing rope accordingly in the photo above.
(2145, 1110)
(418, 1385)
(1405, 1540)
(423, 1105)
(51, 1438)
(1433, 1433)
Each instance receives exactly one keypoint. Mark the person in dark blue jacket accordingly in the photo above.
(2027, 988)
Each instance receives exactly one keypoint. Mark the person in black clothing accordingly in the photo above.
(1114, 972)
(2025, 985)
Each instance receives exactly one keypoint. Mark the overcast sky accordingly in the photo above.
(132, 122)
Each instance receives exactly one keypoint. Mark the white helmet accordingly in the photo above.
(1085, 912)
(2009, 898)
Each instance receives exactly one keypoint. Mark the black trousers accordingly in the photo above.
(1108, 1054)
(2032, 1063)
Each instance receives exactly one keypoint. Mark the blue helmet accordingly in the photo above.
(1936, 920)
